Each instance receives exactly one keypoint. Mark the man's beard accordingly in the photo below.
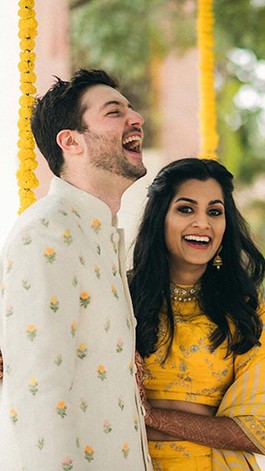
(106, 153)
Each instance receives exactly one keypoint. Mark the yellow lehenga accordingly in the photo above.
(234, 384)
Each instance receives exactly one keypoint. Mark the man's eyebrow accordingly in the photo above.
(116, 103)
(190, 200)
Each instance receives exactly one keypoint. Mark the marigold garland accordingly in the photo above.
(26, 144)
(207, 111)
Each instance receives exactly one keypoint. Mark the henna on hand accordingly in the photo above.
(139, 363)
(215, 432)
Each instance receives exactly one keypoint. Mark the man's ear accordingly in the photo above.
(70, 141)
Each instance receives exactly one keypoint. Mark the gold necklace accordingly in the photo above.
(184, 293)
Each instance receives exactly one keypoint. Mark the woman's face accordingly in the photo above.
(194, 227)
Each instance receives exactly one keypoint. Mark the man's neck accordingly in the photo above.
(107, 187)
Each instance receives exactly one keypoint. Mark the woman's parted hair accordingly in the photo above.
(231, 291)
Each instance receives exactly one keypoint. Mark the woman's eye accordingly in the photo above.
(185, 209)
(215, 212)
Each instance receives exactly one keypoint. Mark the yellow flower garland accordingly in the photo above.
(207, 112)
(26, 144)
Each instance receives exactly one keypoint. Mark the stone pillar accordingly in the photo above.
(52, 58)
(179, 103)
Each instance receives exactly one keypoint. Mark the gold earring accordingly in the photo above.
(217, 261)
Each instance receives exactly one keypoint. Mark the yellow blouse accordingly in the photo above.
(191, 372)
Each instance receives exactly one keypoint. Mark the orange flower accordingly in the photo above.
(102, 373)
(96, 225)
(85, 299)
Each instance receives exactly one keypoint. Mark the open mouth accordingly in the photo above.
(197, 240)
(133, 144)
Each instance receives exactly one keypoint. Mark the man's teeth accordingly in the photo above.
(197, 238)
(131, 139)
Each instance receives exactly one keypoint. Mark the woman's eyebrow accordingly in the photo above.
(190, 200)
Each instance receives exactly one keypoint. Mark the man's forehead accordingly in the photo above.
(101, 95)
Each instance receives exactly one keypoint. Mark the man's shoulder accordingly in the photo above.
(45, 218)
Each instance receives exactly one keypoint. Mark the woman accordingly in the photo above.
(195, 286)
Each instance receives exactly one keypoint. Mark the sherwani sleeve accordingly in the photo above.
(40, 309)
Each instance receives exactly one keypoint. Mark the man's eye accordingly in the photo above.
(185, 209)
(114, 112)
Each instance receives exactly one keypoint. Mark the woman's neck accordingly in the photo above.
(187, 278)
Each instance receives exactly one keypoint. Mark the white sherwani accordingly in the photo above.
(69, 399)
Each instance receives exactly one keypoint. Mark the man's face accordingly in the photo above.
(114, 132)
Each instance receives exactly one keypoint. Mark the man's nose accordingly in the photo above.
(135, 118)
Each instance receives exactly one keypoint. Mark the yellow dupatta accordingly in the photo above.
(244, 402)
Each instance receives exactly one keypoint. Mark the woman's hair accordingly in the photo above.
(230, 292)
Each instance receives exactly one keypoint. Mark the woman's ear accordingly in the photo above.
(70, 142)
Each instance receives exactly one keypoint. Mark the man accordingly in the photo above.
(69, 399)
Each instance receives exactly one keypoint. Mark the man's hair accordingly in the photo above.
(60, 108)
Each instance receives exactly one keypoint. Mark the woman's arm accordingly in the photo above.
(215, 432)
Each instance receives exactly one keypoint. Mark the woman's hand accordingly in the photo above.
(139, 363)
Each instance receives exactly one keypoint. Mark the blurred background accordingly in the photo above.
(151, 47)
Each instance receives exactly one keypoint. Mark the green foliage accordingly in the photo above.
(239, 26)
(122, 36)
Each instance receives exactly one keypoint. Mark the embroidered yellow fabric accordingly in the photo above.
(191, 372)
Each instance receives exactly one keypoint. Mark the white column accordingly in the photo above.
(9, 96)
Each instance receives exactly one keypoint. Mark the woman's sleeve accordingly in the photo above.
(244, 402)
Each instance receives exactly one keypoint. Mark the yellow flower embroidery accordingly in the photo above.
(54, 304)
(125, 450)
(114, 292)
(82, 351)
(33, 386)
(31, 332)
(61, 409)
(13, 415)
(102, 373)
(49, 254)
(84, 299)
(67, 238)
(89, 453)
(96, 225)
